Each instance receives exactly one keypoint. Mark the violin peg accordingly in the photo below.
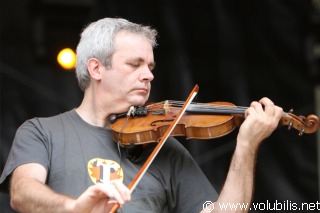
(303, 118)
(301, 132)
(291, 110)
(290, 125)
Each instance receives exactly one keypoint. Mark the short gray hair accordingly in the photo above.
(97, 41)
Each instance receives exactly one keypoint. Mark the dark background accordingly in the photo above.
(236, 51)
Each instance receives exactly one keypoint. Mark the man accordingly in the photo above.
(69, 163)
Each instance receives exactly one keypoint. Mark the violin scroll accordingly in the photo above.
(309, 124)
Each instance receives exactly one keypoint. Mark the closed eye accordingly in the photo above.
(134, 65)
(140, 62)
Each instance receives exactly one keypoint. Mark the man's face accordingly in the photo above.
(127, 82)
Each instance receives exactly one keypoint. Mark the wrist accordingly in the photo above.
(246, 149)
(248, 145)
(69, 205)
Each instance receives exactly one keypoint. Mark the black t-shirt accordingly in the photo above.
(77, 155)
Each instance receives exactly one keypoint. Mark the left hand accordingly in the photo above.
(261, 119)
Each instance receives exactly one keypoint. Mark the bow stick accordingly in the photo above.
(156, 150)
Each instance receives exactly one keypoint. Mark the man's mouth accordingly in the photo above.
(143, 90)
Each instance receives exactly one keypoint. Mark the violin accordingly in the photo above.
(148, 123)
(157, 121)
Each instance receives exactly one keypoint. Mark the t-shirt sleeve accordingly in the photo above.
(30, 145)
(189, 187)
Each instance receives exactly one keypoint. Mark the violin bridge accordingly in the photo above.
(166, 107)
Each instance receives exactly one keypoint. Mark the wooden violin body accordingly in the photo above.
(200, 121)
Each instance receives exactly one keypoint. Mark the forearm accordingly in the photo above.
(238, 188)
(236, 194)
(29, 195)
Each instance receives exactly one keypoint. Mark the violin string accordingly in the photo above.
(222, 107)
(209, 106)
(198, 105)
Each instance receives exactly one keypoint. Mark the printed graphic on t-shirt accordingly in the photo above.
(102, 170)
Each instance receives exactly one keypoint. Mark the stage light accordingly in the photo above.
(67, 58)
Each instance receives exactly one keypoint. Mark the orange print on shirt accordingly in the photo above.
(102, 171)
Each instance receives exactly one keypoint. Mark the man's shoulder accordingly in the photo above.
(54, 121)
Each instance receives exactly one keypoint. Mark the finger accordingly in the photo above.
(110, 191)
(278, 113)
(256, 107)
(248, 112)
(122, 189)
(269, 107)
(114, 192)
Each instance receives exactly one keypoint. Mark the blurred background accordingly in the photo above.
(236, 51)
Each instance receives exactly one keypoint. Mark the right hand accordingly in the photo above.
(101, 197)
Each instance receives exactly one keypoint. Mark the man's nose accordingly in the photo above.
(146, 74)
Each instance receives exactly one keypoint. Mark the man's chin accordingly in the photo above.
(139, 101)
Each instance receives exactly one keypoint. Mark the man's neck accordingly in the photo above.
(93, 117)
(91, 111)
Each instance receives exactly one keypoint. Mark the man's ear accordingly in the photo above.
(94, 68)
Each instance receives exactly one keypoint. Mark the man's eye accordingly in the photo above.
(134, 65)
